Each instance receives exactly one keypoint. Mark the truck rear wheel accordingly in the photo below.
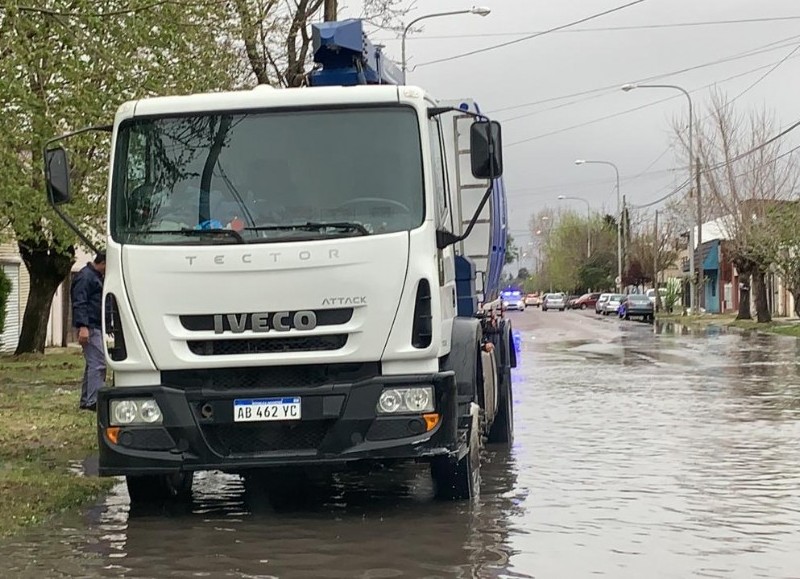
(154, 488)
(455, 479)
(502, 430)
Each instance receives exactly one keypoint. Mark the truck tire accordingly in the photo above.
(502, 430)
(455, 479)
(154, 488)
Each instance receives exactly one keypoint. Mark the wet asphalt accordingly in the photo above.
(641, 451)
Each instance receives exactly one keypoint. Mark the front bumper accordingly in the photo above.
(339, 424)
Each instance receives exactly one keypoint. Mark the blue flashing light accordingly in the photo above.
(346, 57)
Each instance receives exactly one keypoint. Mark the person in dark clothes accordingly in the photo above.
(87, 308)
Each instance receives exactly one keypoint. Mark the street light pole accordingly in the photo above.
(588, 221)
(479, 10)
(619, 218)
(696, 285)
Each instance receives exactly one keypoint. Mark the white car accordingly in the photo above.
(557, 301)
(611, 306)
(651, 294)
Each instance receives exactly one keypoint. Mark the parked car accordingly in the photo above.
(586, 301)
(651, 294)
(600, 303)
(513, 300)
(533, 300)
(556, 301)
(636, 305)
(612, 304)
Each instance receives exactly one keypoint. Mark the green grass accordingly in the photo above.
(42, 433)
(780, 327)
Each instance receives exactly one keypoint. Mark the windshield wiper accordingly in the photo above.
(198, 232)
(313, 226)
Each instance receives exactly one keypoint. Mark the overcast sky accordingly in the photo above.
(540, 147)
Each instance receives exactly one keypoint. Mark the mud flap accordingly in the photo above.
(458, 478)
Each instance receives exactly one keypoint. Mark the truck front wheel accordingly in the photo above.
(159, 487)
(455, 479)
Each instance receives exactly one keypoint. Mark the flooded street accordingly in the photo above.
(639, 452)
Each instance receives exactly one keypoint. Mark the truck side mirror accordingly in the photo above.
(486, 149)
(56, 170)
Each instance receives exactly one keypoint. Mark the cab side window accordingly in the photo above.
(440, 177)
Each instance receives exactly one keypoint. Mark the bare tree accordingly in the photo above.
(741, 180)
(651, 253)
(274, 36)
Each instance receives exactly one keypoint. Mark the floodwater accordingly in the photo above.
(640, 452)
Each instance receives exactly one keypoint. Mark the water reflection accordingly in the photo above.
(350, 526)
(644, 452)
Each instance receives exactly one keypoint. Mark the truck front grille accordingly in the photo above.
(251, 439)
(267, 345)
(265, 377)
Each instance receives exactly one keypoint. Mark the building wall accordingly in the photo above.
(58, 331)
(12, 265)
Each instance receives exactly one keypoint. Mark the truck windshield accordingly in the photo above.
(269, 176)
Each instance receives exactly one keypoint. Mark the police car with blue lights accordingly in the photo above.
(513, 300)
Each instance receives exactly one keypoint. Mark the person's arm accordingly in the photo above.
(80, 308)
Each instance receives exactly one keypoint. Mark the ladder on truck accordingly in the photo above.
(485, 246)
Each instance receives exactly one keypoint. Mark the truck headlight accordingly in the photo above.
(416, 400)
(135, 411)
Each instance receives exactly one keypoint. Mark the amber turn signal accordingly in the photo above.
(431, 420)
(112, 433)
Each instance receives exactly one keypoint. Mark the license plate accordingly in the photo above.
(264, 409)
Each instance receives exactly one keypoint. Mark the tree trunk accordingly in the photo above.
(744, 297)
(762, 307)
(796, 299)
(47, 269)
(330, 10)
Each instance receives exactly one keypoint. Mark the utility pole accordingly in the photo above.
(330, 10)
(623, 249)
(657, 304)
(700, 286)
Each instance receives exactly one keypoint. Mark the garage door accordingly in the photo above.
(10, 336)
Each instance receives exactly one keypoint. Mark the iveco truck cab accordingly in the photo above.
(301, 278)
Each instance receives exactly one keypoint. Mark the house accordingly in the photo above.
(59, 331)
(12, 266)
(721, 279)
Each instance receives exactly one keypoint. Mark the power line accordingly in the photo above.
(770, 71)
(531, 36)
(766, 74)
(762, 49)
(615, 88)
(610, 28)
(675, 191)
(755, 149)
(626, 111)
(729, 162)
(546, 189)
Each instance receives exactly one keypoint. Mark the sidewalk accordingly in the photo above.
(42, 435)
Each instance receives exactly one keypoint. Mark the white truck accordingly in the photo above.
(301, 278)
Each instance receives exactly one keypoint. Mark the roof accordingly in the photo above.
(264, 96)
